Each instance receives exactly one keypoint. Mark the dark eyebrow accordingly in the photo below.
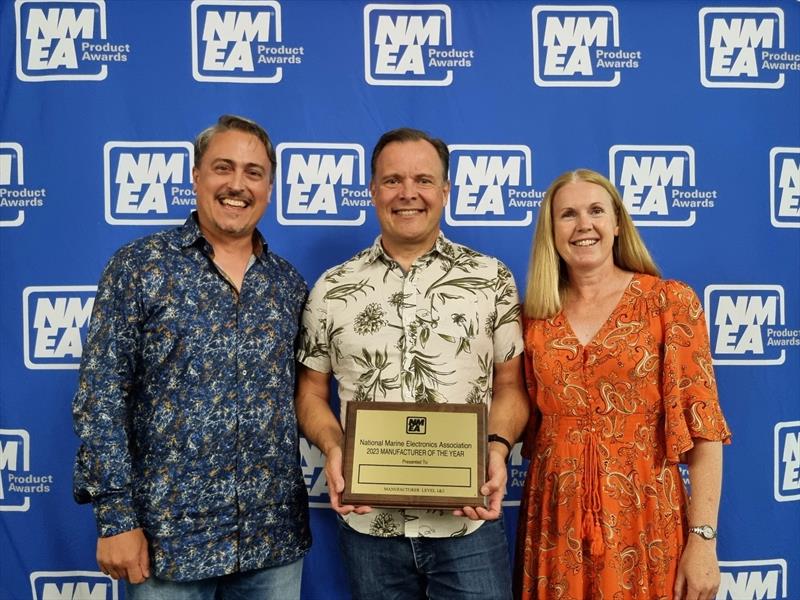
(231, 163)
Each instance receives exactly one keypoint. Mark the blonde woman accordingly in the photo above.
(622, 390)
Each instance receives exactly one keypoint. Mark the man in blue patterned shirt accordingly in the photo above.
(189, 450)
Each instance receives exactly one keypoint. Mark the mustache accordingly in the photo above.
(234, 194)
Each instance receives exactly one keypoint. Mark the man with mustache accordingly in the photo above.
(189, 450)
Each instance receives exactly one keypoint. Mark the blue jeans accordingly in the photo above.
(274, 583)
(475, 566)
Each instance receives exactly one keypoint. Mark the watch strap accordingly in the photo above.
(493, 437)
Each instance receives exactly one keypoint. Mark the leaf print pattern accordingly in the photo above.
(419, 336)
(370, 382)
(423, 377)
(348, 290)
(480, 387)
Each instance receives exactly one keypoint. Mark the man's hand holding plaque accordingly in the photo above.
(494, 490)
(333, 474)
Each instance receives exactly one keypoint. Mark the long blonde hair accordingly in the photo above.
(547, 273)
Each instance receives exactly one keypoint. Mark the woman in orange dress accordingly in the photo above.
(622, 390)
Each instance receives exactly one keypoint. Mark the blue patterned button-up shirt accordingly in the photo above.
(185, 408)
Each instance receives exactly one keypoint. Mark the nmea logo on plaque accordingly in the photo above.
(416, 425)
(411, 44)
(73, 585)
(15, 197)
(321, 184)
(753, 580)
(17, 482)
(579, 46)
(55, 320)
(148, 183)
(657, 184)
(60, 41)
(240, 41)
(491, 186)
(743, 47)
(784, 186)
(747, 324)
(312, 461)
(787, 461)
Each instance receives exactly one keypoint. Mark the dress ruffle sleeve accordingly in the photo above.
(689, 390)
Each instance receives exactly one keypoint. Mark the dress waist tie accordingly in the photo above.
(592, 530)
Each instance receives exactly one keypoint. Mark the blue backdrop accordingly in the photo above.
(692, 108)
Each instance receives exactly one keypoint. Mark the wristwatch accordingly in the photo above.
(707, 532)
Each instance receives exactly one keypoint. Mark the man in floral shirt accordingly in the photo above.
(189, 443)
(416, 318)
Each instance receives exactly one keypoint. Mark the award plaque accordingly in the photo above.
(400, 454)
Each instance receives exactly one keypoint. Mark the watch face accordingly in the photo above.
(705, 531)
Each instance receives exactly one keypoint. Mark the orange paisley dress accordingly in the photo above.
(603, 511)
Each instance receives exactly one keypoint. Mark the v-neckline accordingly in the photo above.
(605, 323)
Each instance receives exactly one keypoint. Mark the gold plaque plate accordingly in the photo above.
(399, 454)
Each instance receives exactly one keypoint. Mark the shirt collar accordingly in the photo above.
(442, 246)
(190, 236)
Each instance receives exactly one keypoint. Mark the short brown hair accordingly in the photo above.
(226, 123)
(407, 134)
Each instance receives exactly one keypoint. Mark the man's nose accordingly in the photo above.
(409, 188)
(236, 181)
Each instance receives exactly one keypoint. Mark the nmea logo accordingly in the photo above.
(411, 44)
(15, 451)
(742, 47)
(658, 184)
(55, 320)
(416, 425)
(17, 483)
(14, 196)
(312, 462)
(240, 41)
(59, 41)
(753, 580)
(73, 585)
(491, 186)
(579, 46)
(784, 187)
(148, 183)
(321, 184)
(787, 461)
(746, 324)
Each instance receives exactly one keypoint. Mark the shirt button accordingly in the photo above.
(244, 371)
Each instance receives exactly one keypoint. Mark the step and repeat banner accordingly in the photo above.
(692, 108)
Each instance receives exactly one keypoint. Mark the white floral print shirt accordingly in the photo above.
(429, 335)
